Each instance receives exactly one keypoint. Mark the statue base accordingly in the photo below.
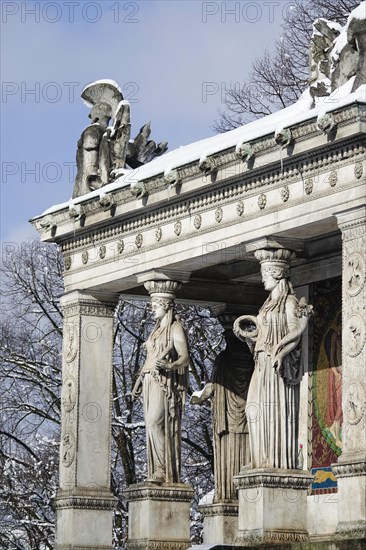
(159, 516)
(220, 524)
(84, 519)
(272, 506)
(351, 478)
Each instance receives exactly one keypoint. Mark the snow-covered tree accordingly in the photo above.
(278, 78)
(30, 385)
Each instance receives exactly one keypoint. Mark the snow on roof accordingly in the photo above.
(294, 114)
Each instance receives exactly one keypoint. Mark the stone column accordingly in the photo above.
(351, 466)
(84, 501)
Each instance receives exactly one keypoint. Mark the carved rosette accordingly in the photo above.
(262, 201)
(67, 262)
(353, 226)
(218, 215)
(139, 240)
(358, 170)
(158, 233)
(333, 178)
(178, 228)
(240, 208)
(120, 246)
(285, 193)
(102, 251)
(308, 186)
(85, 257)
(197, 221)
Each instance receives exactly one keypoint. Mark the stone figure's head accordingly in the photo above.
(162, 296)
(160, 306)
(101, 112)
(275, 265)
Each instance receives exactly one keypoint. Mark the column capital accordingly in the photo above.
(164, 275)
(87, 303)
(351, 218)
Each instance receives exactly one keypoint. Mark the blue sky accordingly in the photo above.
(173, 60)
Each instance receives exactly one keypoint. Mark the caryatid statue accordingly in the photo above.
(273, 397)
(228, 391)
(163, 381)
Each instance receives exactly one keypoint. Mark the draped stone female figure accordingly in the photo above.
(273, 397)
(164, 381)
(228, 389)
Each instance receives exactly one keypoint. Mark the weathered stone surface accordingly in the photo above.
(272, 506)
(159, 516)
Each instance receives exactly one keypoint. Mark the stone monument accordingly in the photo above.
(104, 151)
(169, 220)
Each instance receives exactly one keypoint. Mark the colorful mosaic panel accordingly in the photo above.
(326, 382)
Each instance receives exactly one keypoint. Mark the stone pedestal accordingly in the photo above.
(159, 516)
(351, 467)
(84, 501)
(220, 525)
(272, 506)
(351, 477)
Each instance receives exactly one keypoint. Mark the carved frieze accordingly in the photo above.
(313, 164)
(263, 537)
(146, 491)
(218, 509)
(88, 502)
(353, 226)
(144, 544)
(266, 478)
(88, 308)
(351, 530)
